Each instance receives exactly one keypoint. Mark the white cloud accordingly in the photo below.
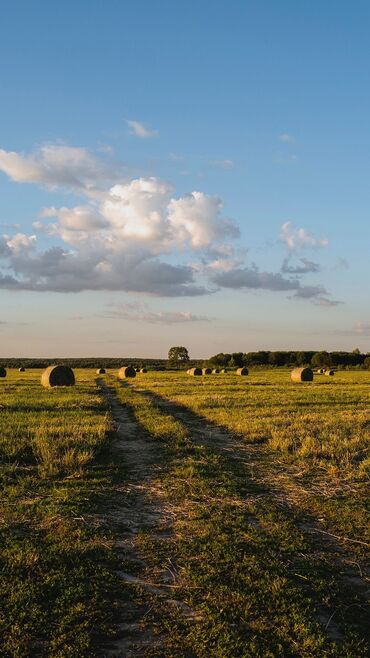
(57, 165)
(298, 238)
(196, 219)
(20, 243)
(140, 130)
(133, 235)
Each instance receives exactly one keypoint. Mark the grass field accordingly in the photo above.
(185, 516)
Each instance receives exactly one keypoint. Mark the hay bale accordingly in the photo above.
(143, 370)
(100, 371)
(126, 371)
(301, 375)
(21, 369)
(321, 371)
(223, 371)
(57, 376)
(206, 371)
(329, 373)
(215, 371)
(194, 372)
(2, 371)
(242, 371)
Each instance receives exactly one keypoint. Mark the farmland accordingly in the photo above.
(172, 515)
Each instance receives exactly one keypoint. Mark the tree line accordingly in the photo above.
(291, 358)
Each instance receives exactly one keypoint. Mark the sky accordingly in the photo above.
(183, 173)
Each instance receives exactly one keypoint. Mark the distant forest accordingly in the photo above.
(354, 359)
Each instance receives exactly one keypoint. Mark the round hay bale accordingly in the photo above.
(21, 369)
(242, 371)
(143, 370)
(215, 371)
(321, 371)
(301, 375)
(194, 372)
(206, 371)
(100, 371)
(329, 373)
(126, 371)
(2, 371)
(223, 371)
(57, 376)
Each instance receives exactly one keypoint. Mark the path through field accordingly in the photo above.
(217, 557)
(139, 506)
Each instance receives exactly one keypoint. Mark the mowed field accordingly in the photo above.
(172, 515)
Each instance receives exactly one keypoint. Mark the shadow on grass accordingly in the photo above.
(314, 565)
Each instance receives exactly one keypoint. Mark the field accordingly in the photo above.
(216, 516)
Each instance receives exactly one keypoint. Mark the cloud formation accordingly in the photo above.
(57, 165)
(298, 238)
(140, 130)
(134, 235)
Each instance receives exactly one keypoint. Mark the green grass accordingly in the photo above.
(261, 584)
(54, 564)
(255, 470)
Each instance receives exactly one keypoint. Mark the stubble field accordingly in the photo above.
(172, 515)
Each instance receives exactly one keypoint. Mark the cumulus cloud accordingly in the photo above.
(140, 312)
(196, 219)
(133, 235)
(118, 242)
(80, 218)
(140, 130)
(298, 238)
(57, 165)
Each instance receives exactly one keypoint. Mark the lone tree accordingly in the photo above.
(178, 355)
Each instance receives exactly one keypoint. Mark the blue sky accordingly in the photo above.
(183, 173)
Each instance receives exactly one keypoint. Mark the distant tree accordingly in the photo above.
(178, 355)
(220, 359)
(301, 358)
(292, 359)
(277, 358)
(356, 351)
(367, 362)
(237, 358)
(321, 359)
